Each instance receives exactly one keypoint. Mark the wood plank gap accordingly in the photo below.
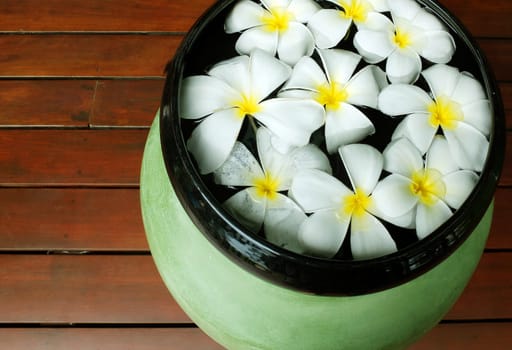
(95, 32)
(97, 325)
(476, 320)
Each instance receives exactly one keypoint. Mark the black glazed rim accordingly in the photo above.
(310, 274)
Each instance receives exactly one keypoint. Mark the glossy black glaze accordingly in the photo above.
(309, 274)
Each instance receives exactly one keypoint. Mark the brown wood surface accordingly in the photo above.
(80, 82)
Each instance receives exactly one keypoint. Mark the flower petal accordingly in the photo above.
(271, 159)
(429, 218)
(369, 238)
(428, 21)
(375, 21)
(417, 129)
(439, 156)
(439, 47)
(257, 38)
(441, 79)
(328, 27)
(468, 146)
(339, 64)
(346, 125)
(322, 234)
(306, 74)
(297, 94)
(267, 73)
(245, 14)
(247, 208)
(363, 89)
(240, 169)
(303, 10)
(202, 95)
(373, 45)
(315, 190)
(406, 9)
(403, 66)
(407, 220)
(379, 5)
(402, 157)
(295, 43)
(478, 114)
(283, 219)
(392, 196)
(364, 165)
(459, 185)
(234, 72)
(212, 140)
(292, 120)
(400, 99)
(468, 89)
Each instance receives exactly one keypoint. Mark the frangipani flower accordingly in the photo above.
(338, 89)
(329, 26)
(261, 202)
(234, 89)
(459, 107)
(336, 207)
(276, 27)
(414, 33)
(423, 191)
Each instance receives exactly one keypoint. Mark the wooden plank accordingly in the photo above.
(126, 102)
(51, 219)
(467, 336)
(506, 175)
(106, 339)
(46, 102)
(499, 55)
(86, 55)
(500, 237)
(71, 157)
(127, 289)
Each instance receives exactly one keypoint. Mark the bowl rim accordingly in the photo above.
(312, 274)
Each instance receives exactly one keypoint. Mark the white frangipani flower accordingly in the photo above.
(329, 26)
(237, 88)
(459, 107)
(339, 90)
(423, 191)
(261, 202)
(412, 34)
(275, 27)
(336, 207)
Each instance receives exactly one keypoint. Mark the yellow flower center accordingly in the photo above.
(331, 96)
(428, 186)
(402, 39)
(445, 112)
(247, 105)
(357, 10)
(266, 187)
(356, 203)
(276, 19)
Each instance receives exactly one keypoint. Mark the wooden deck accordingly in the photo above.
(80, 82)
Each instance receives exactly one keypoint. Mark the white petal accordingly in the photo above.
(212, 140)
(315, 190)
(295, 43)
(400, 99)
(270, 4)
(417, 129)
(303, 10)
(235, 72)
(369, 238)
(267, 73)
(298, 94)
(402, 157)
(393, 197)
(468, 145)
(429, 218)
(375, 21)
(407, 220)
(328, 27)
(346, 125)
(379, 5)
(257, 38)
(282, 222)
(468, 90)
(322, 234)
(364, 165)
(245, 14)
(403, 66)
(459, 185)
(339, 64)
(406, 9)
(363, 89)
(441, 79)
(271, 159)
(428, 21)
(306, 74)
(440, 157)
(373, 45)
(478, 114)
(202, 95)
(240, 169)
(247, 208)
(439, 47)
(292, 120)
(380, 77)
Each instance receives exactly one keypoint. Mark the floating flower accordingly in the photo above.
(329, 26)
(459, 108)
(235, 89)
(339, 90)
(261, 202)
(423, 191)
(276, 27)
(335, 207)
(412, 34)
